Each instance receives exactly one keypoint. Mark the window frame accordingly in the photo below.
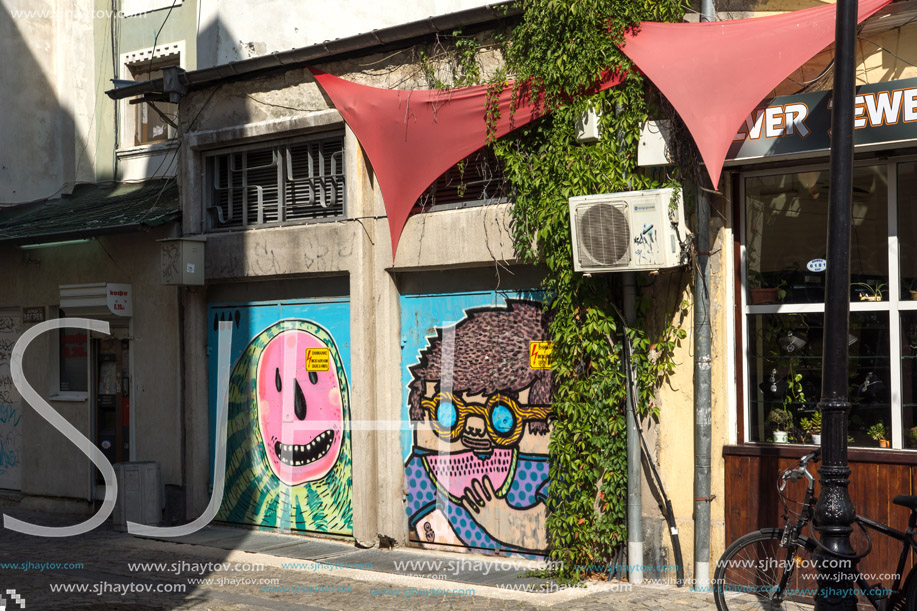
(894, 305)
(281, 149)
(127, 113)
(422, 205)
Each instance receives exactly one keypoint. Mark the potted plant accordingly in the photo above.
(759, 294)
(912, 289)
(868, 292)
(879, 433)
(782, 421)
(912, 437)
(812, 426)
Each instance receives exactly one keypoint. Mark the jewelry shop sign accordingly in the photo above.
(787, 125)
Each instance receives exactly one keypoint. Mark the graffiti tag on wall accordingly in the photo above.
(10, 411)
(288, 447)
(477, 474)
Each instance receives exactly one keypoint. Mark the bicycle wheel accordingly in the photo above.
(904, 600)
(756, 573)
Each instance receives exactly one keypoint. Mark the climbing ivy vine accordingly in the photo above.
(561, 48)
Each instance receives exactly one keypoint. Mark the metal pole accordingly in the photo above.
(834, 512)
(702, 362)
(634, 470)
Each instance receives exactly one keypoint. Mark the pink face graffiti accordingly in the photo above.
(300, 412)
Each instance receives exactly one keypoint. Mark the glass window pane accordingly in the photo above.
(870, 393)
(785, 365)
(907, 220)
(74, 360)
(786, 220)
(909, 378)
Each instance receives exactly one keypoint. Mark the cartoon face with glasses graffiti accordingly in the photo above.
(478, 472)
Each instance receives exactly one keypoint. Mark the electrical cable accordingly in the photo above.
(156, 37)
(665, 505)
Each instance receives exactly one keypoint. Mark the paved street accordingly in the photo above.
(115, 570)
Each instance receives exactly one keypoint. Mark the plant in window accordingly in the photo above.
(812, 426)
(869, 292)
(782, 421)
(912, 437)
(879, 433)
(911, 288)
(760, 293)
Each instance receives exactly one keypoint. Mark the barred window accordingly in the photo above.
(297, 181)
(476, 179)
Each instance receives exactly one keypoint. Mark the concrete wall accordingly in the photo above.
(49, 74)
(51, 466)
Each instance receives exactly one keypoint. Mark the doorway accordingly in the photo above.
(111, 399)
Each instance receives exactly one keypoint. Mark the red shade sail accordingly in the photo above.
(715, 74)
(412, 137)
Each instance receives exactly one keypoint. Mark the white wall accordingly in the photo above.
(230, 30)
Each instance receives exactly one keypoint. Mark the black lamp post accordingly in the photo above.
(834, 512)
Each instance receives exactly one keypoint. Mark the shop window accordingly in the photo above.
(786, 217)
(290, 182)
(784, 249)
(74, 360)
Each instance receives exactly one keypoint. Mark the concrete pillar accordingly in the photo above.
(363, 346)
(196, 413)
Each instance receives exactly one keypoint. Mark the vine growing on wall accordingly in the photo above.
(561, 48)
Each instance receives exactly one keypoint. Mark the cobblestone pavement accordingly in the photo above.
(117, 571)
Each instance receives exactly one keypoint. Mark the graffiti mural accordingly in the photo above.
(477, 472)
(288, 462)
(10, 410)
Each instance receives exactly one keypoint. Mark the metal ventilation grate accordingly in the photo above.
(603, 235)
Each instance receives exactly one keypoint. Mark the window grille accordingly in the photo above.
(477, 179)
(283, 183)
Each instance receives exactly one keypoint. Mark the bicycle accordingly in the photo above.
(775, 568)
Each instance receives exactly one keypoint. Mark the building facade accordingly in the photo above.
(388, 398)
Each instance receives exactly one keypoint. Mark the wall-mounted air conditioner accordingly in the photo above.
(636, 230)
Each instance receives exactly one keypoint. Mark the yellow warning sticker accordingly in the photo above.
(540, 355)
(318, 359)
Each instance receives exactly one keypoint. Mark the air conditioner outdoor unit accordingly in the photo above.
(635, 230)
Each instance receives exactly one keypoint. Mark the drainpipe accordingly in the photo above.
(634, 472)
(702, 395)
(702, 417)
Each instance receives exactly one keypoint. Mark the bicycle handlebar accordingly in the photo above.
(801, 470)
(810, 457)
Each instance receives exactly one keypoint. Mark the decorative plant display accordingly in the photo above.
(878, 432)
(782, 421)
(785, 345)
(869, 292)
(812, 426)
